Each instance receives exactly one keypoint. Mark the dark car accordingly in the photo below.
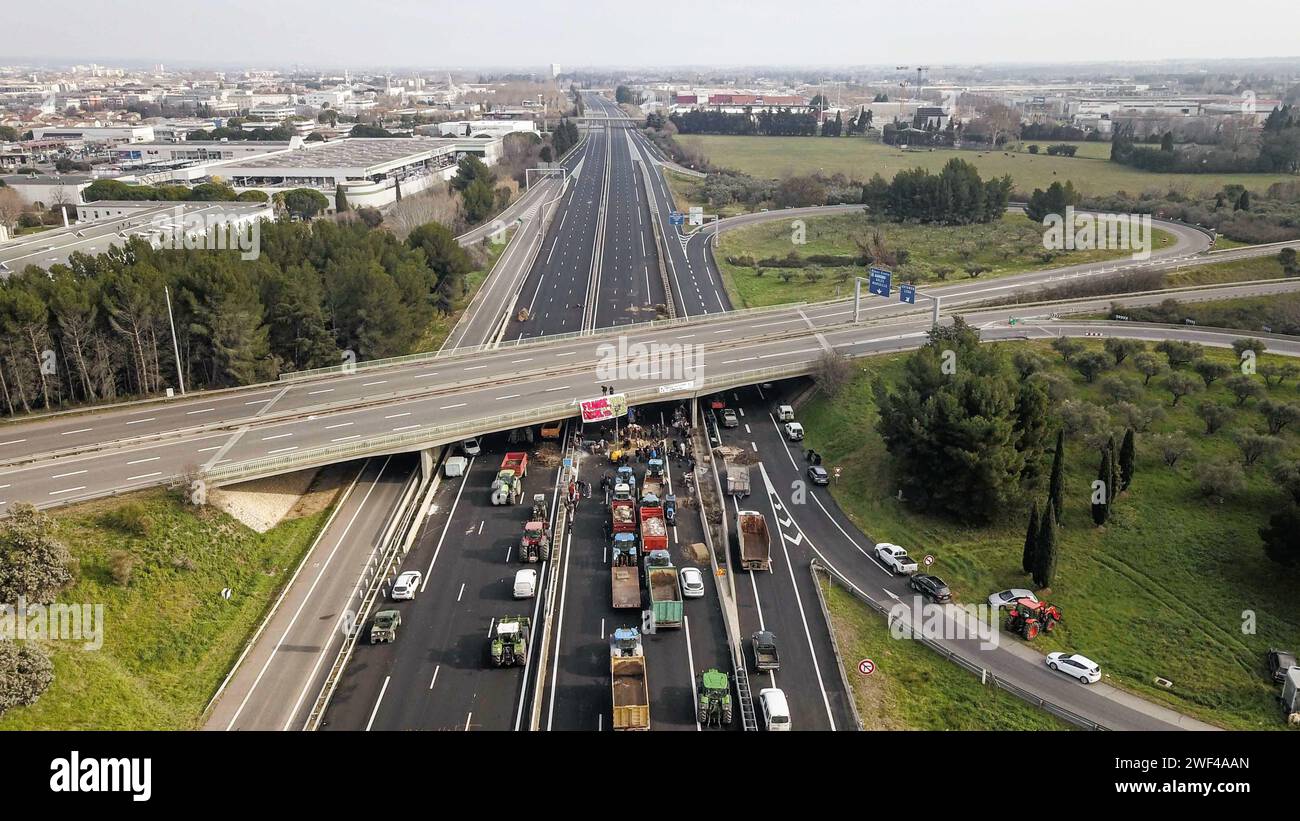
(1278, 663)
(818, 475)
(931, 587)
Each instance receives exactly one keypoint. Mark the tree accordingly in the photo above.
(1091, 364)
(1045, 558)
(470, 170)
(1147, 365)
(834, 372)
(1244, 387)
(478, 200)
(33, 564)
(1101, 502)
(1214, 414)
(1127, 458)
(1278, 414)
(304, 203)
(1240, 346)
(1211, 371)
(1030, 551)
(25, 673)
(1181, 384)
(1056, 485)
(1180, 353)
(443, 254)
(1287, 476)
(1121, 349)
(1172, 446)
(1220, 479)
(1067, 346)
(1281, 537)
(340, 200)
(1255, 446)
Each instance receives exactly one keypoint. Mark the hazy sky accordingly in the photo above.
(531, 33)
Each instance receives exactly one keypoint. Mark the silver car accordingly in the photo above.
(692, 583)
(1006, 597)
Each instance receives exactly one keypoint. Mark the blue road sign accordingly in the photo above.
(878, 281)
(907, 293)
(676, 218)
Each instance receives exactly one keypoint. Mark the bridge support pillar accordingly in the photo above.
(428, 463)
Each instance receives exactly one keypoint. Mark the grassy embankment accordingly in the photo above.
(1162, 590)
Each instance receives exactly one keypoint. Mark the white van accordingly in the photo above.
(785, 413)
(526, 583)
(454, 466)
(776, 713)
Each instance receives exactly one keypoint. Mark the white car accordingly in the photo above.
(1075, 666)
(776, 712)
(471, 447)
(692, 582)
(526, 583)
(406, 585)
(794, 431)
(1006, 597)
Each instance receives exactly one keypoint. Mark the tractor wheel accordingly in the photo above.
(1031, 631)
(1050, 625)
(703, 716)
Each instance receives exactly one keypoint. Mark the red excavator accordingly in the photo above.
(1027, 618)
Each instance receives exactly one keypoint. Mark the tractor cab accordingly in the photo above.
(670, 509)
(625, 643)
(624, 553)
(1028, 617)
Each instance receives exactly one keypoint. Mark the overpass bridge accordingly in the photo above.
(418, 402)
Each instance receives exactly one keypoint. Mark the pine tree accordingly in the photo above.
(1045, 554)
(340, 200)
(1127, 458)
(1101, 508)
(1054, 487)
(1112, 461)
(1031, 540)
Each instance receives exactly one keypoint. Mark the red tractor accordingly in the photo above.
(1027, 618)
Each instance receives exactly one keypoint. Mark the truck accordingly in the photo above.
(454, 466)
(509, 644)
(765, 654)
(508, 486)
(665, 588)
(754, 540)
(654, 528)
(624, 576)
(628, 681)
(784, 413)
(738, 480)
(653, 485)
(895, 558)
(535, 543)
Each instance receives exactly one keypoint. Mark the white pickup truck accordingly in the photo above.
(895, 558)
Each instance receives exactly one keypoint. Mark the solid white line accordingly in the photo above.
(378, 701)
(64, 475)
(143, 476)
(450, 515)
(14, 442)
(132, 422)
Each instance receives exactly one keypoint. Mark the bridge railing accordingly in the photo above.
(439, 434)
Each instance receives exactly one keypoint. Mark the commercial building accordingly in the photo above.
(161, 155)
(492, 128)
(110, 135)
(46, 191)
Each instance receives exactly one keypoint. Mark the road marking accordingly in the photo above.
(346, 438)
(141, 461)
(322, 390)
(79, 430)
(461, 593)
(397, 415)
(435, 676)
(467, 720)
(339, 425)
(65, 475)
(138, 421)
(561, 388)
(507, 396)
(275, 436)
(143, 476)
(205, 410)
(378, 701)
(66, 490)
(405, 427)
(368, 384)
(19, 441)
(449, 407)
(423, 375)
(281, 450)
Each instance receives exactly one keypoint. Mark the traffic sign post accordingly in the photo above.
(907, 293)
(676, 218)
(866, 667)
(878, 284)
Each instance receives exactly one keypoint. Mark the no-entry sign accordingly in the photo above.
(866, 667)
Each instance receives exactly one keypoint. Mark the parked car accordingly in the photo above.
(406, 585)
(526, 583)
(932, 587)
(1075, 666)
(776, 712)
(729, 419)
(818, 475)
(794, 431)
(785, 413)
(471, 447)
(895, 558)
(692, 582)
(1279, 661)
(1006, 597)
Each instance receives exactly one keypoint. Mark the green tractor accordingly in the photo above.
(510, 641)
(715, 698)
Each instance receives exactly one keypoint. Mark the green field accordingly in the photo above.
(776, 157)
(914, 688)
(1012, 245)
(169, 637)
(1162, 590)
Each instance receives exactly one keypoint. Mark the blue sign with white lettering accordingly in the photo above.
(878, 281)
(907, 293)
(676, 218)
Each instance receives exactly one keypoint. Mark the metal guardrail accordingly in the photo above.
(835, 645)
(986, 676)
